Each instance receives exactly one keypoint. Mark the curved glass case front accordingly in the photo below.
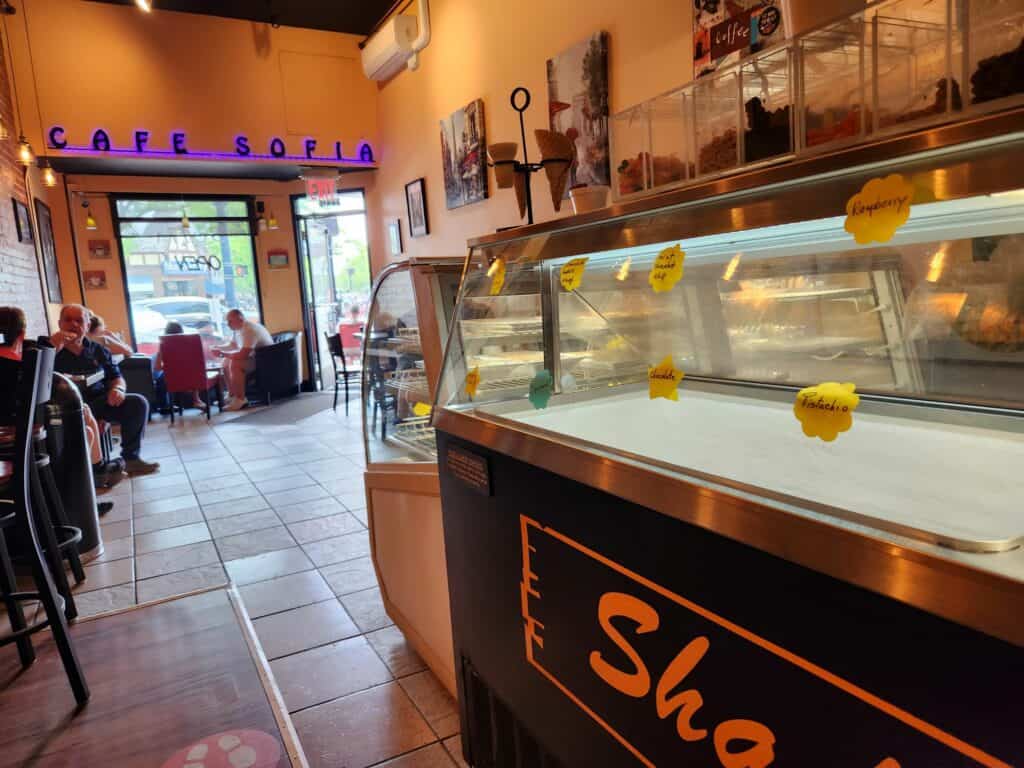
(929, 326)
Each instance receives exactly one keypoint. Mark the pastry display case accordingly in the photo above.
(630, 133)
(411, 308)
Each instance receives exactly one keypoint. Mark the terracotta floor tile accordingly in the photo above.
(301, 628)
(339, 548)
(454, 747)
(296, 495)
(172, 537)
(102, 575)
(350, 576)
(268, 597)
(116, 549)
(232, 492)
(150, 523)
(286, 483)
(433, 700)
(324, 527)
(325, 673)
(432, 756)
(391, 645)
(362, 729)
(269, 565)
(254, 543)
(115, 529)
(177, 559)
(235, 507)
(121, 511)
(367, 610)
(104, 600)
(181, 583)
(222, 527)
(165, 505)
(296, 513)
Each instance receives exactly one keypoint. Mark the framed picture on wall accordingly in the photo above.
(277, 258)
(395, 237)
(99, 249)
(45, 222)
(416, 203)
(94, 279)
(23, 221)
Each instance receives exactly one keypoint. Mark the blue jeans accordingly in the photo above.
(132, 415)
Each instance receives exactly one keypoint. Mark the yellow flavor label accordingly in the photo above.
(497, 274)
(826, 409)
(663, 379)
(571, 273)
(472, 381)
(879, 209)
(615, 343)
(421, 409)
(667, 269)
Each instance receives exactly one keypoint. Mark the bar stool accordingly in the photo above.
(29, 384)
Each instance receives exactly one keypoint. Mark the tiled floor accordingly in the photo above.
(279, 510)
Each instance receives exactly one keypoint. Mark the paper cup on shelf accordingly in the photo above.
(557, 153)
(588, 198)
(503, 156)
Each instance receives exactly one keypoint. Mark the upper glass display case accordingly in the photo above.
(410, 312)
(775, 295)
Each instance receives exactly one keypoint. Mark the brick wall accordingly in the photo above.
(19, 270)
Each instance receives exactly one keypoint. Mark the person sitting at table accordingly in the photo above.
(173, 328)
(109, 400)
(12, 343)
(98, 332)
(238, 355)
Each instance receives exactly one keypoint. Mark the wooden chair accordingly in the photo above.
(341, 377)
(185, 370)
(27, 384)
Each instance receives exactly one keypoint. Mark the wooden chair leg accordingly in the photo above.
(9, 585)
(44, 528)
(60, 517)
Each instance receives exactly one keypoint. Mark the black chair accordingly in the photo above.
(137, 371)
(342, 376)
(27, 384)
(276, 368)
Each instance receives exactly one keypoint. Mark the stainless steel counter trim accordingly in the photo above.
(960, 592)
(884, 150)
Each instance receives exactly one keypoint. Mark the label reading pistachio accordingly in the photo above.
(571, 274)
(667, 269)
(826, 409)
(663, 380)
(879, 209)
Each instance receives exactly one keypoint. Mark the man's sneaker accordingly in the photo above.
(236, 405)
(138, 467)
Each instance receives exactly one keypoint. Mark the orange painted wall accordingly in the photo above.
(484, 49)
(101, 65)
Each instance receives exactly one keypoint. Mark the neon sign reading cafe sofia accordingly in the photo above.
(101, 144)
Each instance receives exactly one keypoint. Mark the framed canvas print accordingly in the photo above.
(395, 237)
(416, 203)
(578, 107)
(49, 251)
(23, 221)
(99, 249)
(464, 156)
(94, 278)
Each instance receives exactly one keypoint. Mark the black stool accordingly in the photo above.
(27, 384)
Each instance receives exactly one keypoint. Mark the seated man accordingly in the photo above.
(238, 355)
(108, 399)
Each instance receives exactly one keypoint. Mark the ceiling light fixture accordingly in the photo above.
(49, 176)
(25, 154)
(144, 5)
(185, 223)
(90, 222)
(272, 221)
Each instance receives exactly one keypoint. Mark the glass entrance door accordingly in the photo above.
(335, 264)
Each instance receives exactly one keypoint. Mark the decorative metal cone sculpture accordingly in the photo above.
(556, 153)
(503, 155)
(520, 181)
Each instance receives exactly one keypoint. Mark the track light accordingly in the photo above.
(25, 154)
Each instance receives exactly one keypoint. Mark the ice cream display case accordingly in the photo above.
(411, 308)
(729, 471)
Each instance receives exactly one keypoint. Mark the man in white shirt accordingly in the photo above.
(238, 355)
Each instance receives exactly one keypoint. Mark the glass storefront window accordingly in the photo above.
(192, 275)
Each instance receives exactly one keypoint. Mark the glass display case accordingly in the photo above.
(716, 100)
(766, 83)
(993, 53)
(630, 139)
(776, 296)
(671, 116)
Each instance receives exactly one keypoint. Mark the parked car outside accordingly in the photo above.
(191, 311)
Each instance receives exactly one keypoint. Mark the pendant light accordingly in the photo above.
(272, 221)
(144, 5)
(49, 176)
(90, 221)
(5, 133)
(25, 154)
